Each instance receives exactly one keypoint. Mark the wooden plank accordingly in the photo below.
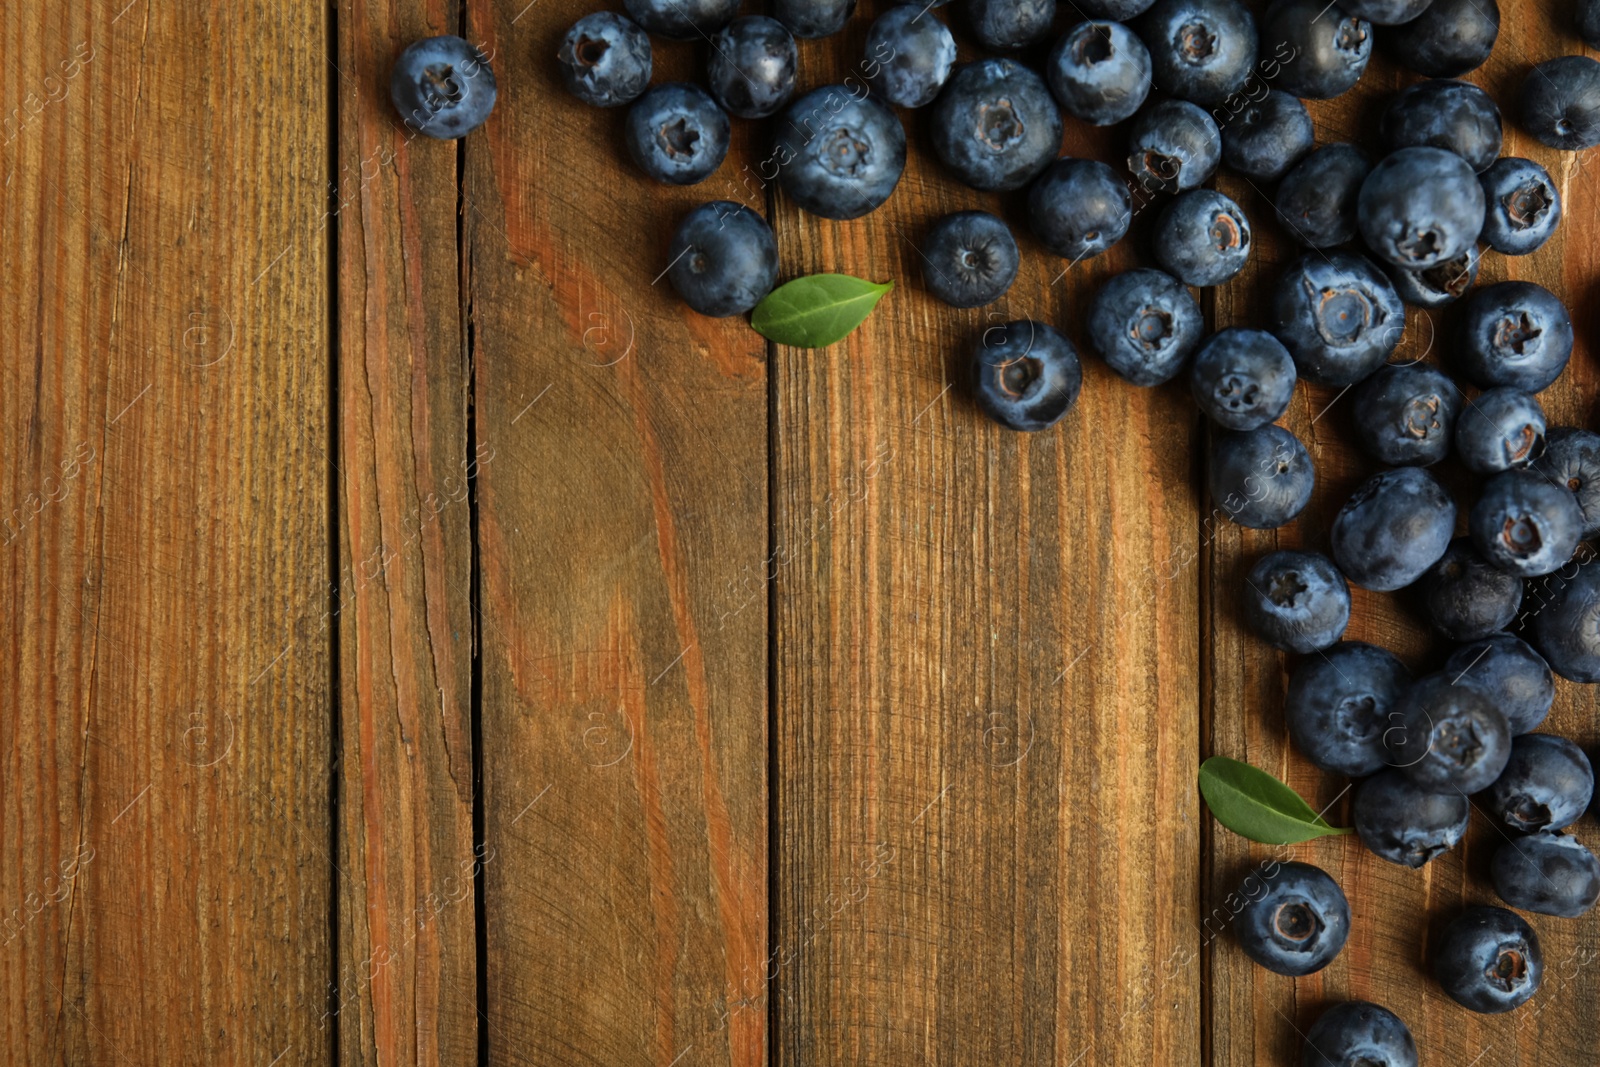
(164, 403)
(621, 523)
(985, 674)
(1255, 1015)
(407, 984)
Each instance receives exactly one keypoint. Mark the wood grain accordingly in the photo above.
(406, 991)
(1258, 1017)
(986, 674)
(164, 399)
(622, 540)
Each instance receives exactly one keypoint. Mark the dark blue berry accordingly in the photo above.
(682, 19)
(996, 125)
(1145, 324)
(1403, 823)
(1386, 12)
(1005, 25)
(1393, 528)
(1566, 622)
(1467, 598)
(1546, 785)
(1419, 207)
(1514, 677)
(1260, 478)
(443, 87)
(1099, 72)
(1498, 430)
(1267, 137)
(1358, 1034)
(677, 134)
(724, 259)
(1561, 103)
(752, 68)
(1525, 524)
(1405, 416)
(1449, 39)
(1489, 960)
(1523, 206)
(1296, 601)
(1172, 146)
(1078, 208)
(1588, 22)
(1454, 115)
(1517, 334)
(1329, 47)
(812, 18)
(839, 154)
(1025, 375)
(1295, 918)
(1203, 238)
(1338, 705)
(1448, 736)
(1338, 316)
(1119, 10)
(1316, 201)
(909, 55)
(1552, 874)
(1242, 378)
(1572, 458)
(969, 259)
(1200, 50)
(605, 60)
(1436, 286)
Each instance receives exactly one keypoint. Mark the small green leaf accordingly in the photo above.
(817, 310)
(1254, 804)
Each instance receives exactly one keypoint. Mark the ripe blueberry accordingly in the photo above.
(1393, 528)
(1403, 823)
(1525, 524)
(1449, 39)
(1566, 622)
(1144, 324)
(1489, 960)
(1316, 201)
(1202, 237)
(1523, 206)
(1242, 378)
(1517, 334)
(1552, 874)
(1099, 72)
(969, 259)
(1572, 458)
(1419, 207)
(1025, 375)
(1296, 601)
(1588, 22)
(682, 19)
(724, 259)
(605, 60)
(1359, 1034)
(840, 155)
(1447, 736)
(1511, 674)
(1561, 103)
(1454, 115)
(1499, 430)
(443, 87)
(1405, 415)
(1260, 478)
(1294, 920)
(1078, 208)
(909, 56)
(752, 66)
(1386, 12)
(1005, 25)
(677, 134)
(996, 125)
(812, 18)
(1338, 705)
(1546, 785)
(1200, 50)
(1172, 146)
(1330, 47)
(1338, 316)
(1466, 598)
(1436, 286)
(1267, 137)
(1120, 10)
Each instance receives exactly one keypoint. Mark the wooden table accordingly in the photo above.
(428, 642)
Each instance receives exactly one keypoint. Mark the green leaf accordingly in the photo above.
(1254, 804)
(817, 310)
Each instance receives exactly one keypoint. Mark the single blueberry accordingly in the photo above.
(1511, 674)
(1296, 601)
(1551, 874)
(1242, 378)
(1006, 25)
(1454, 115)
(1419, 207)
(811, 18)
(1267, 137)
(1448, 736)
(1523, 206)
(677, 134)
(1403, 823)
(969, 259)
(443, 87)
(839, 154)
(1025, 375)
(909, 56)
(682, 19)
(1405, 416)
(1565, 616)
(1202, 237)
(1525, 524)
(1316, 201)
(1386, 12)
(1436, 286)
(1260, 478)
(1500, 429)
(1295, 919)
(752, 67)
(1338, 705)
(1328, 46)
(1393, 528)
(1547, 785)
(1172, 146)
(1078, 208)
(605, 60)
(1359, 1034)
(724, 259)
(1145, 324)
(1517, 334)
(1099, 72)
(1449, 39)
(1489, 960)
(1561, 103)
(1200, 50)
(996, 125)
(1572, 458)
(1338, 316)
(1467, 598)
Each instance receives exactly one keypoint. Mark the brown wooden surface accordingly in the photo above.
(427, 642)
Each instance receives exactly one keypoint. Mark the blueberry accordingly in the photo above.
(1517, 334)
(1454, 115)
(1079, 208)
(1447, 736)
(1200, 50)
(1572, 458)
(1551, 874)
(1099, 72)
(1242, 378)
(909, 56)
(724, 259)
(1393, 528)
(1500, 429)
(1261, 478)
(1405, 415)
(1436, 286)
(1561, 103)
(969, 259)
(1419, 207)
(1547, 785)
(1449, 39)
(1120, 10)
(1173, 146)
(1316, 201)
(1386, 12)
(752, 66)
(1511, 674)
(1144, 324)
(605, 60)
(1296, 601)
(996, 125)
(1005, 25)
(1400, 822)
(1338, 316)
(1330, 47)
(1523, 206)
(1267, 137)
(1359, 1034)
(1566, 623)
(682, 19)
(1202, 237)
(1294, 920)
(840, 155)
(811, 18)
(1489, 960)
(443, 87)
(1588, 22)
(677, 133)
(1025, 375)
(1338, 706)
(1525, 524)
(1467, 598)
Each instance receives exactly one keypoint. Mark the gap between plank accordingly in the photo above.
(335, 675)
